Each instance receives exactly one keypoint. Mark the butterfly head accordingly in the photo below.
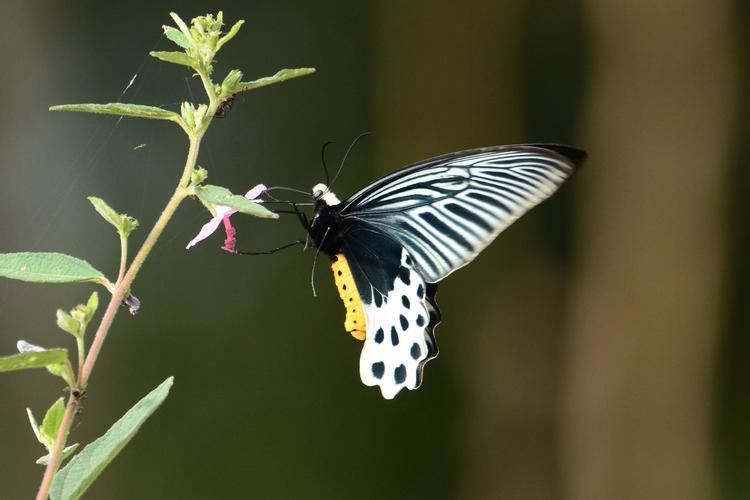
(322, 193)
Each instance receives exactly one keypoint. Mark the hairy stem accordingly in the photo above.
(54, 457)
(81, 354)
(122, 286)
(123, 256)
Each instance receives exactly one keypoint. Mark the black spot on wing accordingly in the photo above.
(399, 374)
(379, 335)
(429, 329)
(420, 291)
(378, 369)
(420, 320)
(405, 301)
(394, 336)
(404, 273)
(404, 322)
(415, 351)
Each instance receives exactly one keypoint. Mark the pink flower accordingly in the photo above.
(222, 215)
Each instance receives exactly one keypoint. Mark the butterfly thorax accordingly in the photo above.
(326, 232)
(325, 229)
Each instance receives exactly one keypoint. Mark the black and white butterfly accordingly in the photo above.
(391, 242)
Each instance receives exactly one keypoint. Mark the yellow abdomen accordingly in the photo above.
(355, 314)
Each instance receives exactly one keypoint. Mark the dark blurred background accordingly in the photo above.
(597, 350)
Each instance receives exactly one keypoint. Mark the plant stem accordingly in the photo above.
(122, 286)
(210, 92)
(123, 256)
(56, 452)
(81, 354)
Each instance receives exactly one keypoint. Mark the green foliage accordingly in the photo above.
(33, 359)
(121, 109)
(217, 195)
(47, 267)
(280, 76)
(47, 433)
(74, 479)
(194, 116)
(175, 58)
(198, 176)
(124, 223)
(176, 36)
(77, 320)
(67, 451)
(33, 356)
(200, 41)
(51, 423)
(229, 85)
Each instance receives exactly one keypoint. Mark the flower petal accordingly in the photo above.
(255, 192)
(24, 346)
(212, 225)
(222, 214)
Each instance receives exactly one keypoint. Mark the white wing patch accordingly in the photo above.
(395, 346)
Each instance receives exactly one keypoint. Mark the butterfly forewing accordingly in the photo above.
(446, 210)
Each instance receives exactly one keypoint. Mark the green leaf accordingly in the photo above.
(175, 57)
(91, 306)
(63, 370)
(177, 36)
(47, 267)
(280, 76)
(67, 451)
(67, 323)
(108, 213)
(122, 109)
(33, 359)
(230, 82)
(51, 423)
(217, 195)
(34, 424)
(71, 481)
(230, 34)
(180, 24)
(122, 222)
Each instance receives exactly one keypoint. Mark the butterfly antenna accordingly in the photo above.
(293, 190)
(315, 261)
(323, 160)
(346, 155)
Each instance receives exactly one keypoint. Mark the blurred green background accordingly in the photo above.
(598, 350)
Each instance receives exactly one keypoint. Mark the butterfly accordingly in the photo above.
(395, 239)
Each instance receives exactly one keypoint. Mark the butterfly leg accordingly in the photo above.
(273, 250)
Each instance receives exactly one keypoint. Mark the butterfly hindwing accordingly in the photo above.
(399, 308)
(397, 345)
